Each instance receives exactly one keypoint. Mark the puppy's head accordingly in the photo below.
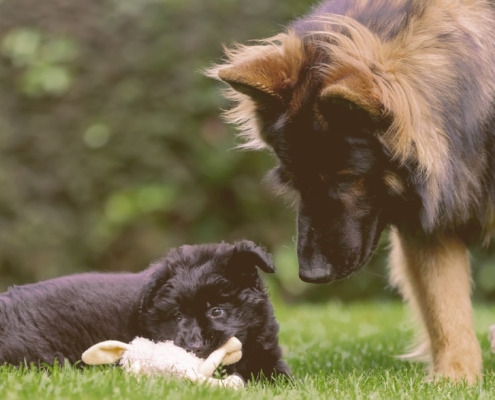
(200, 296)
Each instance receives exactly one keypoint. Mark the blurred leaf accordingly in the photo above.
(120, 208)
(155, 197)
(42, 58)
(22, 46)
(97, 135)
(43, 78)
(123, 207)
(58, 50)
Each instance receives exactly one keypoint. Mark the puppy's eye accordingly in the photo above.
(177, 317)
(216, 312)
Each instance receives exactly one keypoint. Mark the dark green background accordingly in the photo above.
(112, 150)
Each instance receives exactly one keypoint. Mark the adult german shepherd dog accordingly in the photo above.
(382, 113)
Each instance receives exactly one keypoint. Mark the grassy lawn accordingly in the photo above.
(337, 351)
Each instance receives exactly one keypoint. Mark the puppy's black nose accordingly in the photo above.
(194, 347)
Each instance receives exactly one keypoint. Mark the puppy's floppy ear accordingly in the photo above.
(160, 274)
(245, 257)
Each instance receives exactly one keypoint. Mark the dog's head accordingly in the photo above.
(332, 164)
(321, 111)
(201, 296)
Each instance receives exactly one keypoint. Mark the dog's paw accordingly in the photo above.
(466, 369)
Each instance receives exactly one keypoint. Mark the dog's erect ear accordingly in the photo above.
(245, 257)
(265, 72)
(252, 80)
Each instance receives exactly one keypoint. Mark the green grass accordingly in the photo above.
(337, 351)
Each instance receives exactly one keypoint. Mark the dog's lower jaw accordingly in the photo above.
(434, 277)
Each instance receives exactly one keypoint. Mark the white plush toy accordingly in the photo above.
(145, 357)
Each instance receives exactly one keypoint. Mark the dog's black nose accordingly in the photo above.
(314, 268)
(315, 275)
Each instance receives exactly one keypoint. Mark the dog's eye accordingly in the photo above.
(177, 317)
(216, 312)
(346, 179)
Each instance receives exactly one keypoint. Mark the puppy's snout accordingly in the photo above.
(195, 347)
(192, 341)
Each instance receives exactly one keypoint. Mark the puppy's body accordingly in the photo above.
(197, 296)
(61, 318)
(382, 113)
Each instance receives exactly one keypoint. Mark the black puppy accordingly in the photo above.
(197, 296)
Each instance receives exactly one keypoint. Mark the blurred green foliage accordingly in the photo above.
(112, 150)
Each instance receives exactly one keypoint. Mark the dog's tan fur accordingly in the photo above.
(406, 78)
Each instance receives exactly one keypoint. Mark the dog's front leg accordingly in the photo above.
(434, 277)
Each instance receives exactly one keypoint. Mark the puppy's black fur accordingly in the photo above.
(197, 296)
